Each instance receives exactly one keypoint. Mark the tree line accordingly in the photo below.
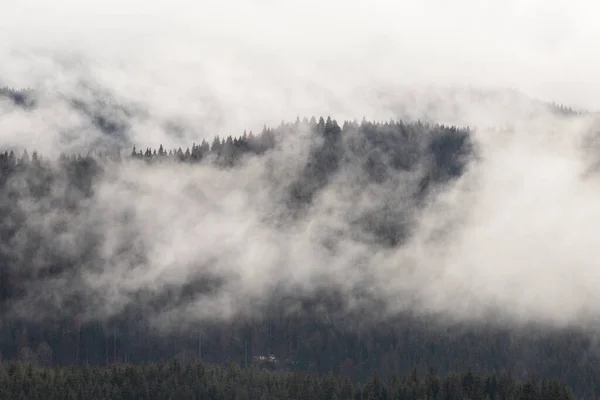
(196, 380)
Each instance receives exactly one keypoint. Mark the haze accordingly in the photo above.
(542, 47)
(521, 235)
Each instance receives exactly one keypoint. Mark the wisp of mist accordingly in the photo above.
(513, 239)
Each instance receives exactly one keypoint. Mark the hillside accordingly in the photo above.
(272, 249)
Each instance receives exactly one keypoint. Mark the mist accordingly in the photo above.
(511, 239)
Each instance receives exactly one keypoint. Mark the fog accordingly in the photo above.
(513, 239)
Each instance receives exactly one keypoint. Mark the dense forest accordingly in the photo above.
(200, 381)
(52, 315)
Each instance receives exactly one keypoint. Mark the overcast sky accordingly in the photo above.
(546, 48)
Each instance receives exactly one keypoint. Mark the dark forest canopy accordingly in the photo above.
(396, 144)
(42, 199)
(22, 97)
(434, 154)
(201, 381)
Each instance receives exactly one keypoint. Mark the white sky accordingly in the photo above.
(546, 48)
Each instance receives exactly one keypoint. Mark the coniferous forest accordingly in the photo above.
(194, 380)
(66, 333)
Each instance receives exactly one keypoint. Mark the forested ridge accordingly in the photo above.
(201, 381)
(51, 316)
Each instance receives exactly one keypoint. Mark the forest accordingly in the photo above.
(194, 380)
(296, 343)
